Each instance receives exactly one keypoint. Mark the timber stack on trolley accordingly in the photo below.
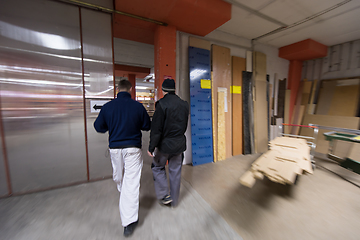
(287, 158)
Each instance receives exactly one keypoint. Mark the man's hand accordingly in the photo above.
(150, 154)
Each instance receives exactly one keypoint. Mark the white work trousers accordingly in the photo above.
(127, 165)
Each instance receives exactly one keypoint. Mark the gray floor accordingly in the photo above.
(90, 211)
(319, 206)
(213, 205)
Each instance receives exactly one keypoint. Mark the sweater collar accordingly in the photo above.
(123, 95)
(170, 93)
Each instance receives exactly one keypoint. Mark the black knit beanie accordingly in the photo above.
(168, 85)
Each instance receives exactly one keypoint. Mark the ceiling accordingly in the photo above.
(331, 21)
(276, 23)
(339, 22)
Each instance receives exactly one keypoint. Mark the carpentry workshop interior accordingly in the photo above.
(273, 136)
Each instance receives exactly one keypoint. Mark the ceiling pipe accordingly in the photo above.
(108, 10)
(280, 29)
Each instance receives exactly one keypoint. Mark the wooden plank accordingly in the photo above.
(260, 103)
(325, 96)
(258, 175)
(306, 94)
(249, 61)
(288, 171)
(199, 43)
(271, 101)
(345, 100)
(248, 179)
(298, 120)
(238, 66)
(295, 115)
(287, 110)
(260, 66)
(221, 126)
(260, 117)
(221, 66)
(311, 106)
(214, 117)
(322, 145)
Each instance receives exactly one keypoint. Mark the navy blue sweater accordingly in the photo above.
(124, 118)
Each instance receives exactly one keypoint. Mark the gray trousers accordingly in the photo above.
(160, 178)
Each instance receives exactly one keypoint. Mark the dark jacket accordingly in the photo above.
(124, 118)
(169, 124)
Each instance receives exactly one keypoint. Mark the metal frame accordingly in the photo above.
(311, 141)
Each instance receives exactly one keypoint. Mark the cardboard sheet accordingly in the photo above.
(287, 158)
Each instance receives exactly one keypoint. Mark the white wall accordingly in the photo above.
(342, 61)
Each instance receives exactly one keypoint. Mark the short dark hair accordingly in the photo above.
(124, 85)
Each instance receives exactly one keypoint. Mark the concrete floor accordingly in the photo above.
(319, 206)
(213, 205)
(90, 211)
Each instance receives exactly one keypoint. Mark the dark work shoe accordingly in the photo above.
(129, 229)
(166, 200)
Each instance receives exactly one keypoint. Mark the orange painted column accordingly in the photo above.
(132, 80)
(165, 56)
(294, 79)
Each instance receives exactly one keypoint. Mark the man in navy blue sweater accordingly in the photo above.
(124, 118)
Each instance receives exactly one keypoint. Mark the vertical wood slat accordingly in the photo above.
(238, 66)
(287, 110)
(221, 69)
(261, 117)
(260, 104)
(345, 100)
(311, 105)
(221, 126)
(326, 92)
(214, 117)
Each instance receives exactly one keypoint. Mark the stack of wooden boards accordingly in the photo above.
(287, 158)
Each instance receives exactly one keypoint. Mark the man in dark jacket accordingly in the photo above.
(124, 118)
(167, 136)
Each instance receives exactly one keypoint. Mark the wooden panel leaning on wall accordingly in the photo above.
(222, 78)
(260, 104)
(238, 66)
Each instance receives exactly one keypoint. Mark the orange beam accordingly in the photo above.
(296, 53)
(303, 50)
(125, 70)
(133, 29)
(165, 56)
(132, 80)
(119, 67)
(199, 17)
